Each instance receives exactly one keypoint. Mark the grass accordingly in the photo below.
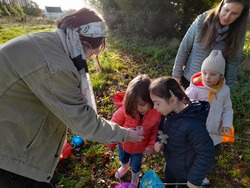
(8, 31)
(92, 164)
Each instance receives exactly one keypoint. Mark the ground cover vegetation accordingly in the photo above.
(92, 164)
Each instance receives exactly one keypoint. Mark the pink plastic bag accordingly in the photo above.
(125, 185)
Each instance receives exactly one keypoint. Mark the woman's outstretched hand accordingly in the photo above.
(134, 136)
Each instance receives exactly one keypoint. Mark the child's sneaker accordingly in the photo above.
(205, 182)
(122, 171)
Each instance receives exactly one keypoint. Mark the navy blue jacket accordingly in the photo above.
(189, 151)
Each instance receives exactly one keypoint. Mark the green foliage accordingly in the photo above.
(5, 11)
(32, 9)
(157, 56)
(19, 10)
(240, 96)
(246, 153)
(11, 10)
(190, 9)
(9, 32)
(150, 19)
(14, 11)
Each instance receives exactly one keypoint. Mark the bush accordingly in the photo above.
(5, 11)
(150, 19)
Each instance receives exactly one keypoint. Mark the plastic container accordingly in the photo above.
(77, 141)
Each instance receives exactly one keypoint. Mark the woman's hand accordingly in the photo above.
(134, 136)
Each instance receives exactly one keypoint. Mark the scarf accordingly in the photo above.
(222, 33)
(212, 90)
(77, 55)
(197, 80)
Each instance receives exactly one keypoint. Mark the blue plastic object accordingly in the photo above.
(77, 141)
(151, 180)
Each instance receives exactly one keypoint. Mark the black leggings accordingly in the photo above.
(11, 180)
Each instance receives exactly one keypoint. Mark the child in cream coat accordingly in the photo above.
(209, 85)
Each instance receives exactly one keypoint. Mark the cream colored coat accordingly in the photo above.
(221, 112)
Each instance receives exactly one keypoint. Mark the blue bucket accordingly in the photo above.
(77, 141)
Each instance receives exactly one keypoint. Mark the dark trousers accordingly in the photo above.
(218, 150)
(184, 82)
(171, 178)
(11, 180)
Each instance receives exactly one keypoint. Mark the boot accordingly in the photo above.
(134, 180)
(122, 171)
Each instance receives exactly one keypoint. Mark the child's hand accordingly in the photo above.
(158, 146)
(226, 131)
(190, 185)
(149, 150)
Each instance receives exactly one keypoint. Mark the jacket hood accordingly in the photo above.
(197, 110)
(196, 80)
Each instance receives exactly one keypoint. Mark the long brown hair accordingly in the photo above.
(236, 32)
(81, 17)
(137, 91)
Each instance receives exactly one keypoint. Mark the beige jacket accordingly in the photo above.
(221, 110)
(39, 96)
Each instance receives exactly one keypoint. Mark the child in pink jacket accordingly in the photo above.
(136, 112)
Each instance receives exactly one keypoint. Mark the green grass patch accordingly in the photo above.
(8, 31)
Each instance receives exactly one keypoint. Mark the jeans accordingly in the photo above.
(135, 159)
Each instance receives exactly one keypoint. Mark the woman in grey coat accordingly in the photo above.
(221, 28)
